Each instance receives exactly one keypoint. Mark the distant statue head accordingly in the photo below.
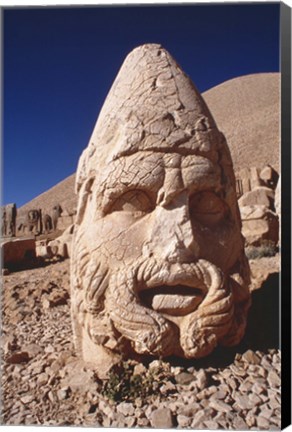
(158, 263)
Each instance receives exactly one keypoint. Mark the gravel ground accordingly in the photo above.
(44, 383)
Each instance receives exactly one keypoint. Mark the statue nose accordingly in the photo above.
(172, 234)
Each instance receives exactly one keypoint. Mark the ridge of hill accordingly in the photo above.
(62, 193)
(246, 109)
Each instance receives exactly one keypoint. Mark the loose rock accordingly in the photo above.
(274, 379)
(162, 418)
(250, 357)
(45, 397)
(201, 379)
(184, 378)
(18, 357)
(220, 406)
(27, 399)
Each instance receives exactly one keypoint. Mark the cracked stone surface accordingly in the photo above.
(158, 264)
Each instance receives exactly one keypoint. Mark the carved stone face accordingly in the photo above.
(158, 265)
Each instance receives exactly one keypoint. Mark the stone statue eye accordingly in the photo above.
(207, 208)
(133, 201)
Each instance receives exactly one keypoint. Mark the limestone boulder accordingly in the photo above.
(42, 249)
(18, 253)
(269, 176)
(61, 246)
(261, 269)
(259, 223)
(260, 196)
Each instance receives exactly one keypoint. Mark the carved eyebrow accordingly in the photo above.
(212, 182)
(140, 172)
(198, 177)
(114, 187)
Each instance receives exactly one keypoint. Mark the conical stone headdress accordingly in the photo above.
(152, 106)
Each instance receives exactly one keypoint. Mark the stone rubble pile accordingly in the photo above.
(44, 383)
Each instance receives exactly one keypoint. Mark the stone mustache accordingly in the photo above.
(158, 265)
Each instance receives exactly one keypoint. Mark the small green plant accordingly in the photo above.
(266, 249)
(126, 385)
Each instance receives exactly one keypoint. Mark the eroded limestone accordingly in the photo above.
(158, 264)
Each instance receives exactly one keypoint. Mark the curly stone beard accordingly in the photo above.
(113, 312)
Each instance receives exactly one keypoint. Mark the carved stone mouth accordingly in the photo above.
(177, 300)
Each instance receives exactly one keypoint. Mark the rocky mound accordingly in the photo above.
(246, 110)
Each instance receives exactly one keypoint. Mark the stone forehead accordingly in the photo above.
(142, 164)
(152, 106)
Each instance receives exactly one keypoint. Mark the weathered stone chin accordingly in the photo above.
(178, 300)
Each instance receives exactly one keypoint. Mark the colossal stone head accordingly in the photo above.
(158, 264)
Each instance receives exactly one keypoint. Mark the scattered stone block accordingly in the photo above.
(269, 176)
(27, 399)
(220, 406)
(61, 246)
(258, 196)
(262, 422)
(259, 224)
(184, 378)
(274, 379)
(126, 408)
(18, 357)
(239, 423)
(183, 421)
(162, 418)
(18, 253)
(42, 249)
(63, 393)
(250, 357)
(201, 379)
(32, 349)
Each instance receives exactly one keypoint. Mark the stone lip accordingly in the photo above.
(189, 275)
(177, 300)
(175, 291)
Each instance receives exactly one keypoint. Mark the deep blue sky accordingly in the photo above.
(59, 64)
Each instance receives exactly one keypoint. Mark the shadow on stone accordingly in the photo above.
(262, 331)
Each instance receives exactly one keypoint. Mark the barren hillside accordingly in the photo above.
(246, 110)
(62, 193)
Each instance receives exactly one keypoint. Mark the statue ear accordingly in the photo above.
(84, 193)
